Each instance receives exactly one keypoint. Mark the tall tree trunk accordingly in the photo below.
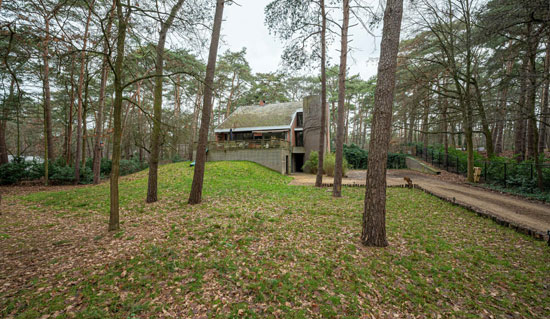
(519, 126)
(484, 123)
(324, 106)
(374, 214)
(532, 136)
(68, 155)
(47, 95)
(501, 110)
(157, 106)
(545, 108)
(195, 121)
(177, 116)
(85, 108)
(230, 98)
(96, 163)
(80, 101)
(425, 125)
(338, 169)
(117, 118)
(445, 125)
(3, 124)
(412, 120)
(195, 196)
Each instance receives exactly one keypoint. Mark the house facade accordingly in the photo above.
(279, 136)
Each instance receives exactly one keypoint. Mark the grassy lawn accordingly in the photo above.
(259, 248)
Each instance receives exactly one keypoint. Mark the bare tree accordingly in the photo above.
(117, 114)
(195, 196)
(157, 105)
(80, 99)
(374, 214)
(339, 160)
(322, 132)
(96, 162)
(545, 120)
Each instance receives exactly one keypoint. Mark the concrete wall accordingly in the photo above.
(270, 158)
(312, 124)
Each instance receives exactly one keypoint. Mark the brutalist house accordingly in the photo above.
(279, 136)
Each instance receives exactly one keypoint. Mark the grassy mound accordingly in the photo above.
(260, 248)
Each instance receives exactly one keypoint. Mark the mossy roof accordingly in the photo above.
(254, 116)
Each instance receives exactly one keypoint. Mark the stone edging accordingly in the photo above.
(498, 219)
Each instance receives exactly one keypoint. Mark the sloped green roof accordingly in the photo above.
(254, 116)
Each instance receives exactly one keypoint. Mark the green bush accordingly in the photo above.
(358, 158)
(105, 166)
(132, 166)
(329, 164)
(312, 164)
(59, 173)
(13, 172)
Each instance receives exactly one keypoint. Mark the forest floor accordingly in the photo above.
(533, 215)
(258, 247)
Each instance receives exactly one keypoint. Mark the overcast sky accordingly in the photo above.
(244, 26)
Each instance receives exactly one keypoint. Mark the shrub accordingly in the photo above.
(329, 164)
(132, 166)
(358, 158)
(105, 166)
(60, 173)
(13, 172)
(312, 164)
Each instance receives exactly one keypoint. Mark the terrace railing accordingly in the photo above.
(248, 144)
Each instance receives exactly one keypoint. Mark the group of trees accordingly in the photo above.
(476, 73)
(99, 78)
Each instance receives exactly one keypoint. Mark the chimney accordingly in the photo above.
(262, 102)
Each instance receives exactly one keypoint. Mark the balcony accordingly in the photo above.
(248, 144)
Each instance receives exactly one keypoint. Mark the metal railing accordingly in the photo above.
(507, 174)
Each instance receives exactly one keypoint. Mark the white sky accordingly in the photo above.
(243, 26)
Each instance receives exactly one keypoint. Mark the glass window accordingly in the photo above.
(299, 138)
(300, 119)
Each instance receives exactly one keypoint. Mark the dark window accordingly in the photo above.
(242, 136)
(300, 119)
(299, 138)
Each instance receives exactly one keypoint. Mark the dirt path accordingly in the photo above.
(508, 208)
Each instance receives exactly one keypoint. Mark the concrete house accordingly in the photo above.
(279, 136)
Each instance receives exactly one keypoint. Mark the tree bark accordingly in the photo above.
(425, 118)
(194, 123)
(47, 95)
(152, 182)
(117, 118)
(3, 124)
(96, 162)
(338, 169)
(322, 131)
(501, 111)
(230, 98)
(545, 109)
(519, 126)
(85, 108)
(195, 196)
(484, 123)
(68, 155)
(374, 214)
(80, 101)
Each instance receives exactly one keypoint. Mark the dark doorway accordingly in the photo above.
(299, 162)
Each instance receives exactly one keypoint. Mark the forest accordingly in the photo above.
(414, 190)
